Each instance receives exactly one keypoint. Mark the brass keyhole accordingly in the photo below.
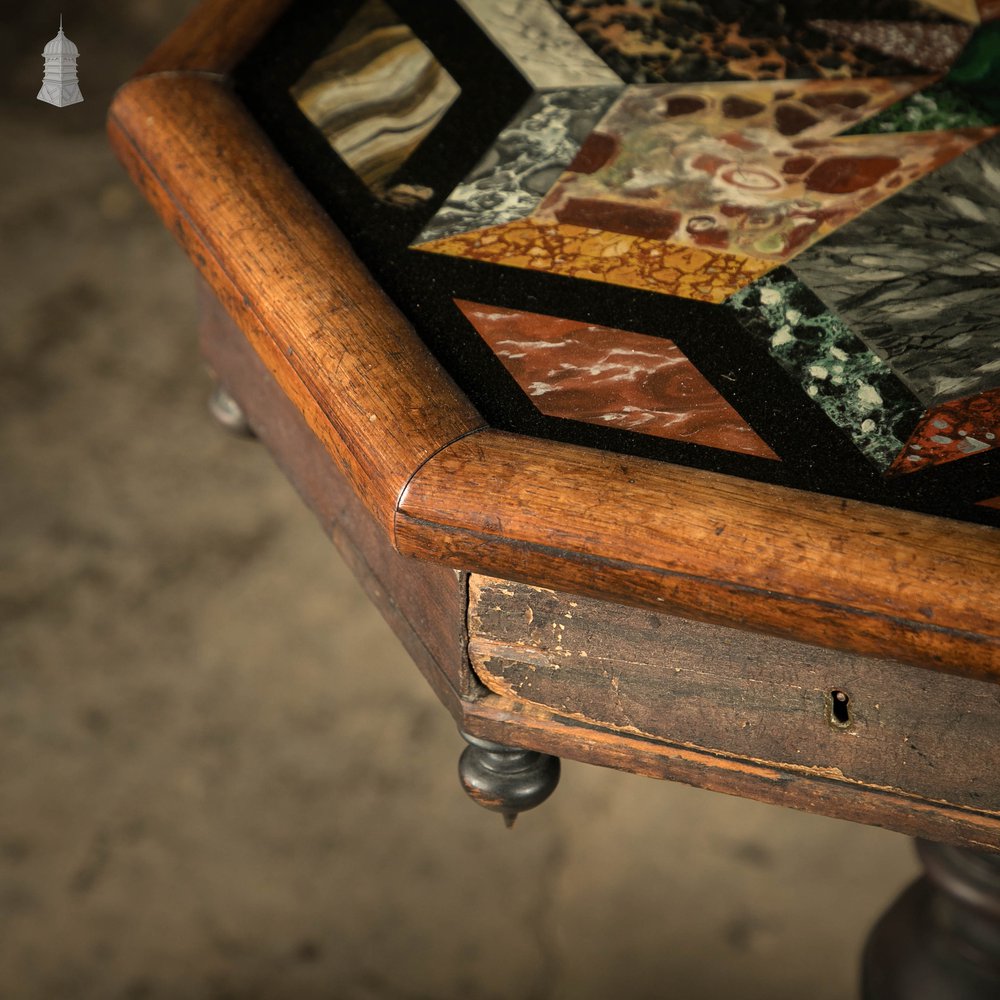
(839, 706)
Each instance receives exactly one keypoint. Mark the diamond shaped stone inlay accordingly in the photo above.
(376, 93)
(613, 378)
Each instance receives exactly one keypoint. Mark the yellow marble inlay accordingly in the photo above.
(964, 10)
(597, 255)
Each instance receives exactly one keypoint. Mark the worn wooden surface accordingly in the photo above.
(832, 572)
(521, 723)
(757, 697)
(840, 574)
(338, 347)
(424, 603)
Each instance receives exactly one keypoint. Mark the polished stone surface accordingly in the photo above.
(918, 278)
(755, 168)
(593, 254)
(613, 378)
(742, 175)
(930, 46)
(702, 40)
(539, 43)
(951, 431)
(942, 105)
(376, 93)
(813, 173)
(853, 386)
(524, 162)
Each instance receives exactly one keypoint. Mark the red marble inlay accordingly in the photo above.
(846, 174)
(631, 218)
(951, 431)
(613, 378)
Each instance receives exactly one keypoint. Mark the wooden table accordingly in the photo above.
(644, 366)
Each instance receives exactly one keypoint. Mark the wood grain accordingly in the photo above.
(826, 571)
(340, 349)
(215, 37)
(840, 574)
(426, 611)
(521, 724)
(756, 697)
(425, 604)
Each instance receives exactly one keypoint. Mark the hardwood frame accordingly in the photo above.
(403, 475)
(838, 573)
(427, 606)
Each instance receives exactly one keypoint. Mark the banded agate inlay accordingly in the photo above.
(376, 93)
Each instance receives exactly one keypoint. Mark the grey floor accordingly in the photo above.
(220, 777)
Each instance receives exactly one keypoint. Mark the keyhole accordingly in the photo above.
(840, 712)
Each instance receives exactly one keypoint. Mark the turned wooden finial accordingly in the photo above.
(228, 412)
(506, 779)
(941, 939)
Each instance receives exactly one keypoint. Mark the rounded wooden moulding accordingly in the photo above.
(445, 487)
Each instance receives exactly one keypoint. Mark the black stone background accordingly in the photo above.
(816, 455)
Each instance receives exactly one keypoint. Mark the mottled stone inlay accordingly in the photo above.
(940, 106)
(951, 431)
(689, 41)
(931, 46)
(592, 254)
(524, 162)
(756, 169)
(852, 385)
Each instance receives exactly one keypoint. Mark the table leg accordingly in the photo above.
(228, 412)
(506, 779)
(941, 939)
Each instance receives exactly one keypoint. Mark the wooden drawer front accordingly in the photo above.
(740, 695)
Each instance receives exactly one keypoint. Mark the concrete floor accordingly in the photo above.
(220, 777)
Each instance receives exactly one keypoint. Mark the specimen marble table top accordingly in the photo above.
(641, 357)
(756, 238)
(680, 305)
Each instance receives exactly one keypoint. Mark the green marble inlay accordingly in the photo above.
(968, 97)
(854, 387)
(939, 106)
(977, 69)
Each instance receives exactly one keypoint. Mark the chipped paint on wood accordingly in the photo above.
(751, 697)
